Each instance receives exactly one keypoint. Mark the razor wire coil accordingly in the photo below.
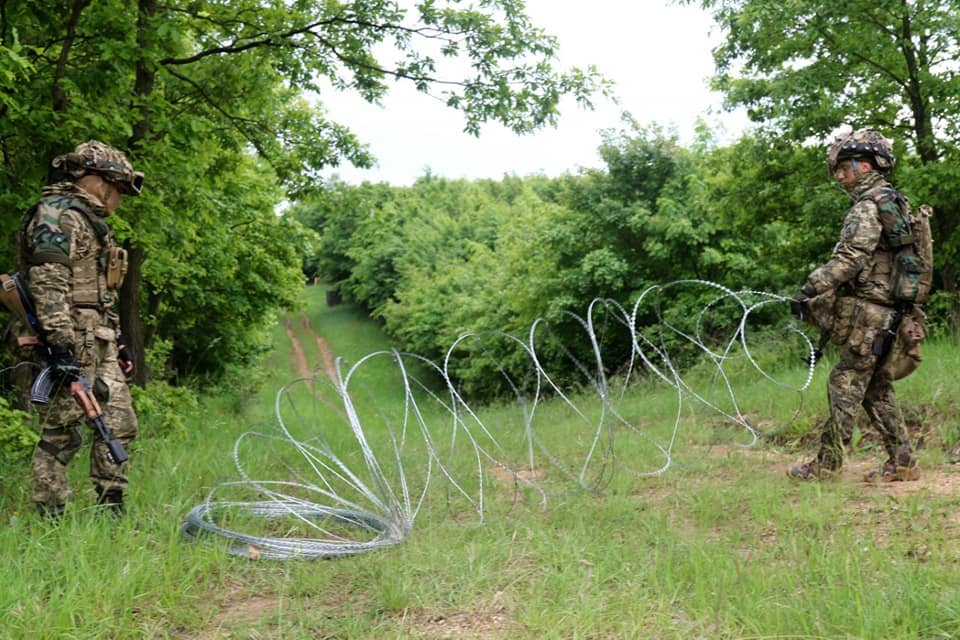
(371, 501)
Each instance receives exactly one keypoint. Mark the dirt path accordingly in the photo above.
(299, 361)
(329, 365)
(301, 366)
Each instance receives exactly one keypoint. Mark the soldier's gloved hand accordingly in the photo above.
(798, 303)
(124, 355)
(798, 306)
(63, 360)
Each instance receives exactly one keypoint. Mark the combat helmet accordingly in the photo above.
(95, 157)
(863, 143)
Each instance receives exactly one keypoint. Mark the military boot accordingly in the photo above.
(52, 512)
(893, 472)
(813, 470)
(111, 499)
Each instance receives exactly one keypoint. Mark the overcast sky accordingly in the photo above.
(658, 54)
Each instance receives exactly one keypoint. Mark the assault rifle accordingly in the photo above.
(43, 387)
(15, 298)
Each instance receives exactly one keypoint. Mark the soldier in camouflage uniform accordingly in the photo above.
(859, 274)
(72, 269)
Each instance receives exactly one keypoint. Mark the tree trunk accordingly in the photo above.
(923, 130)
(130, 323)
(153, 308)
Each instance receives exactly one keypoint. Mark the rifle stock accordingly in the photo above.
(80, 390)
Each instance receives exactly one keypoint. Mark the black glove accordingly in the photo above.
(798, 307)
(124, 355)
(63, 361)
(798, 303)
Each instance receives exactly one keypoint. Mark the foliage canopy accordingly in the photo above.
(805, 68)
(220, 104)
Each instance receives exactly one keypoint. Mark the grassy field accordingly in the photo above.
(721, 544)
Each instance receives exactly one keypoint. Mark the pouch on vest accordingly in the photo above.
(868, 322)
(116, 267)
(908, 269)
(844, 316)
(904, 356)
(85, 292)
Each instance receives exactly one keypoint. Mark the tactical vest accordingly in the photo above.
(96, 273)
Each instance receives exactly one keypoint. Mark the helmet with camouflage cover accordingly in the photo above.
(863, 143)
(95, 157)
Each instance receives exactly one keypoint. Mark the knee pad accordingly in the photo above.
(69, 437)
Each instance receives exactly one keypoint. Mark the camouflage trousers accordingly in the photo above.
(857, 381)
(64, 428)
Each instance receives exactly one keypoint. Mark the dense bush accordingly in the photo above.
(18, 435)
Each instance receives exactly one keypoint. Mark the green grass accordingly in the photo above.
(721, 545)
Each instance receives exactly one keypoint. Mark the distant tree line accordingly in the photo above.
(444, 258)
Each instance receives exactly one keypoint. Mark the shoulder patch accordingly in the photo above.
(49, 245)
(48, 242)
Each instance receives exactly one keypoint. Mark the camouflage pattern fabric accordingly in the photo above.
(75, 308)
(63, 421)
(860, 270)
(856, 381)
(904, 356)
(861, 262)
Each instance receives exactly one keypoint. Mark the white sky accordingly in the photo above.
(658, 54)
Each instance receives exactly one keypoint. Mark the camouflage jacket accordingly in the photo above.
(63, 246)
(862, 262)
